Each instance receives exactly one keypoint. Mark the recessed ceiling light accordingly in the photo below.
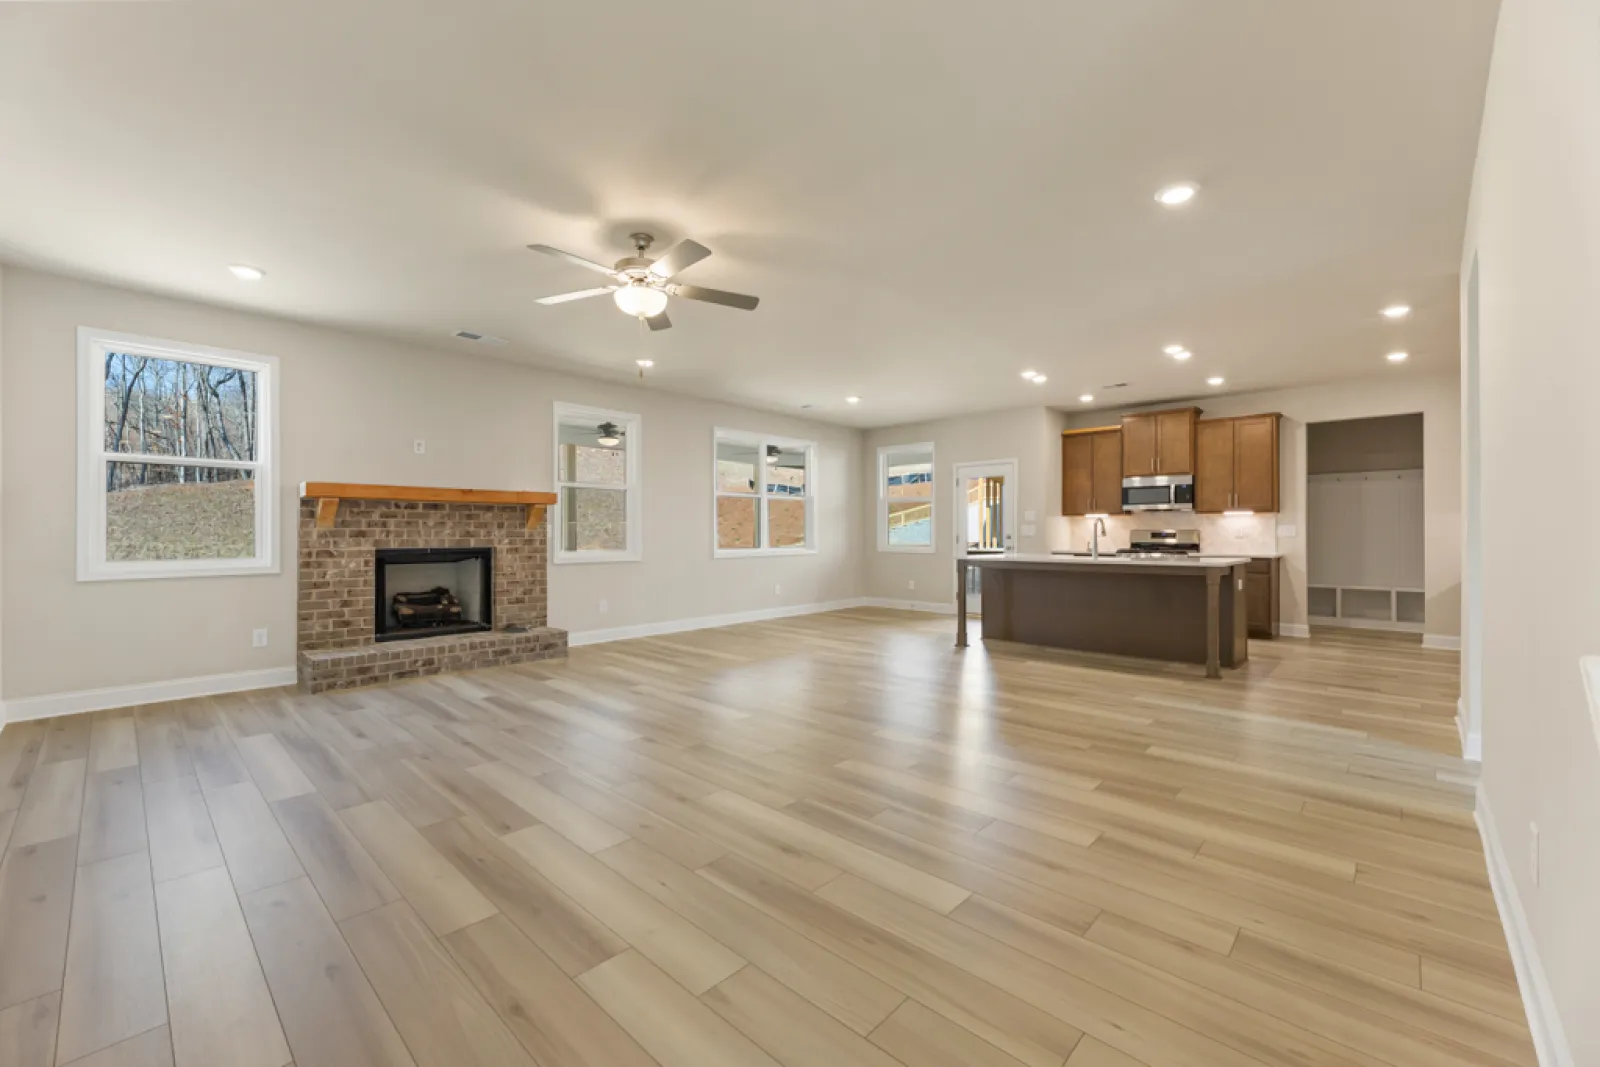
(852, 400)
(645, 362)
(1086, 398)
(1030, 374)
(1039, 379)
(1177, 195)
(1397, 311)
(1173, 350)
(1399, 357)
(246, 273)
(1215, 381)
(1181, 354)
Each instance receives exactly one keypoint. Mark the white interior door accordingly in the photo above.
(986, 515)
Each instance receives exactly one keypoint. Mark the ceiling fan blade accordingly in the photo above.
(681, 255)
(660, 322)
(716, 296)
(581, 294)
(588, 264)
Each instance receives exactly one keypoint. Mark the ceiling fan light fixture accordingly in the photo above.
(640, 300)
(772, 455)
(610, 436)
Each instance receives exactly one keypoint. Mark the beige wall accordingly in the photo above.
(351, 407)
(1436, 397)
(1534, 229)
(1031, 436)
(1390, 443)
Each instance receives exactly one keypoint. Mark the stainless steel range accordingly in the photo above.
(1161, 544)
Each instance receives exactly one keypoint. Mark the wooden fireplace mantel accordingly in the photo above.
(328, 494)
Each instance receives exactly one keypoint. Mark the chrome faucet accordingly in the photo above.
(1097, 531)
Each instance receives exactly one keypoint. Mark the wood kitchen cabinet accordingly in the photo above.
(1236, 464)
(1261, 596)
(1159, 442)
(1091, 472)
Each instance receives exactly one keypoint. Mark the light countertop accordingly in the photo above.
(1191, 562)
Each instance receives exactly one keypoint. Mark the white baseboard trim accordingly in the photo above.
(704, 622)
(127, 696)
(1445, 641)
(1471, 743)
(1386, 625)
(1549, 1038)
(908, 605)
(1293, 629)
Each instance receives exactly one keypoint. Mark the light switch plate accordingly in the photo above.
(1030, 516)
(1029, 529)
(1287, 530)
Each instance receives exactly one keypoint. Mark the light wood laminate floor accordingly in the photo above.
(830, 840)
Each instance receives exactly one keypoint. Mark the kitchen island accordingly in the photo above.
(1184, 609)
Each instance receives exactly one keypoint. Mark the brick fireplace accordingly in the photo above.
(341, 538)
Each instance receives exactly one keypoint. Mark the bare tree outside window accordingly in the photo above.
(173, 408)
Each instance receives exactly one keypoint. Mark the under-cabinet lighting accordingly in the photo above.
(1098, 515)
(1236, 514)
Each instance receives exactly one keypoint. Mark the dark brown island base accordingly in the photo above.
(1184, 610)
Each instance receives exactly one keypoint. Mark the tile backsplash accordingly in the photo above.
(1220, 535)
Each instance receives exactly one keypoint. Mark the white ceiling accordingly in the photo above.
(929, 196)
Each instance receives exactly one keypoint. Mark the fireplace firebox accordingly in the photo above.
(429, 592)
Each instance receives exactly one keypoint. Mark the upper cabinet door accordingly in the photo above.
(1213, 466)
(1077, 474)
(1175, 442)
(1255, 463)
(1138, 445)
(1107, 472)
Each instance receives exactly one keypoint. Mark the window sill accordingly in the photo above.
(133, 572)
(596, 556)
(920, 550)
(745, 553)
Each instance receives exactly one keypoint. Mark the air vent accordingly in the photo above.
(1114, 385)
(480, 338)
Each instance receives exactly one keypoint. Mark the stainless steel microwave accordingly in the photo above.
(1158, 492)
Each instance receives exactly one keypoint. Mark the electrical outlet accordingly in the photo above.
(1533, 849)
(605, 606)
(419, 446)
(911, 584)
(258, 638)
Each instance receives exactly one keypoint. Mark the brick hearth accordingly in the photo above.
(335, 631)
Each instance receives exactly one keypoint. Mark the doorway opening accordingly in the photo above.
(1364, 524)
(986, 516)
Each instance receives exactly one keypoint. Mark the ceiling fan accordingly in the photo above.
(640, 286)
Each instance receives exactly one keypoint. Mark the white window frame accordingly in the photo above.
(632, 426)
(93, 346)
(760, 441)
(884, 498)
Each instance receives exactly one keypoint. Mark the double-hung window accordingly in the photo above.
(764, 490)
(905, 498)
(177, 450)
(597, 479)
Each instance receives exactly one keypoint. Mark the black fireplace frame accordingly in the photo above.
(380, 595)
